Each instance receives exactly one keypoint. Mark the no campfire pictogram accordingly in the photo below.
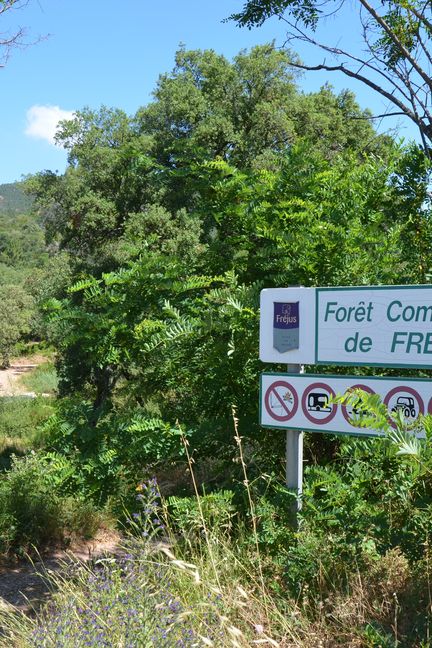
(281, 401)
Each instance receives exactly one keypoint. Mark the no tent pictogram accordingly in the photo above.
(315, 403)
(406, 400)
(353, 413)
(281, 401)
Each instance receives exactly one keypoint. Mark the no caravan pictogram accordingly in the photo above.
(281, 401)
(316, 404)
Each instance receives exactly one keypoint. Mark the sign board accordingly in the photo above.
(301, 401)
(382, 326)
(377, 326)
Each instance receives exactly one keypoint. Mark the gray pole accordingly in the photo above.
(294, 453)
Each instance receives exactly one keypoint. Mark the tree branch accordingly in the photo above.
(335, 51)
(386, 114)
(403, 50)
(421, 16)
(355, 75)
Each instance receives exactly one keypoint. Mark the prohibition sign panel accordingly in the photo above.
(300, 401)
(281, 401)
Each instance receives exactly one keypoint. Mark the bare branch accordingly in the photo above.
(386, 114)
(340, 68)
(420, 16)
(403, 50)
(424, 48)
(336, 51)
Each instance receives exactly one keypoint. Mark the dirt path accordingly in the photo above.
(24, 586)
(10, 379)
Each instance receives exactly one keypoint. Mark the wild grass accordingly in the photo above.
(151, 595)
(186, 576)
(20, 420)
(42, 380)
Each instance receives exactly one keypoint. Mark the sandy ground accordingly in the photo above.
(10, 383)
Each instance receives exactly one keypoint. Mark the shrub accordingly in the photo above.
(214, 510)
(33, 511)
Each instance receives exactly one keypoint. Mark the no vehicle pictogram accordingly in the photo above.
(281, 400)
(406, 400)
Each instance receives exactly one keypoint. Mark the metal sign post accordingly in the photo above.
(294, 454)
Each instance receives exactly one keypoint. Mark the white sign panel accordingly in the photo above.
(387, 326)
(383, 326)
(301, 402)
(287, 325)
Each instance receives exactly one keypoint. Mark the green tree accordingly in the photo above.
(397, 45)
(169, 251)
(175, 331)
(247, 112)
(17, 311)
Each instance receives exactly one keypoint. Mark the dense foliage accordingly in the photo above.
(160, 235)
(23, 256)
(394, 60)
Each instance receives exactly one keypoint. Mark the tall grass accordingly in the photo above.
(42, 380)
(194, 582)
(20, 420)
(151, 594)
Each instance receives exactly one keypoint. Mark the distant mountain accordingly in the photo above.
(13, 200)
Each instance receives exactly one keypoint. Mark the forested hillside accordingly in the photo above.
(158, 239)
(23, 255)
(13, 199)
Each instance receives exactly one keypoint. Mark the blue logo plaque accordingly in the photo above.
(286, 323)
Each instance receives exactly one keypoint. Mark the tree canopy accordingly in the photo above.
(396, 58)
(247, 112)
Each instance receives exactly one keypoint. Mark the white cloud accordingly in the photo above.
(42, 121)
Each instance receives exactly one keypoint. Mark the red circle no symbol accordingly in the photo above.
(404, 390)
(315, 419)
(364, 388)
(272, 393)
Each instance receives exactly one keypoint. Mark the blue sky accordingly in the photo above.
(95, 53)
